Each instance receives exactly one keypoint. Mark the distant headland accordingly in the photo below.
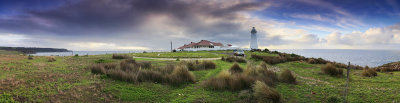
(33, 50)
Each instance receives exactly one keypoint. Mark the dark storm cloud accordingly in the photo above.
(102, 17)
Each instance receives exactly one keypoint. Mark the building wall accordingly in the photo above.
(206, 49)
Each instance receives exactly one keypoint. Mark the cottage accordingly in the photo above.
(206, 45)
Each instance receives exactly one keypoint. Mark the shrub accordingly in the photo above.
(51, 59)
(317, 61)
(118, 74)
(226, 80)
(287, 77)
(203, 65)
(330, 69)
(120, 56)
(223, 58)
(235, 68)
(177, 59)
(333, 99)
(181, 75)
(235, 59)
(76, 55)
(367, 72)
(265, 94)
(30, 57)
(144, 64)
(97, 69)
(150, 76)
(209, 65)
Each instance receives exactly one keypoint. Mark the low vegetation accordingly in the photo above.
(234, 59)
(389, 67)
(235, 80)
(51, 59)
(30, 57)
(367, 72)
(287, 77)
(265, 94)
(331, 70)
(120, 56)
(131, 71)
(235, 68)
(199, 65)
(283, 57)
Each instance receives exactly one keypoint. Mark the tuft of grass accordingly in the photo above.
(98, 69)
(51, 59)
(287, 77)
(331, 69)
(181, 75)
(234, 59)
(30, 57)
(227, 81)
(235, 68)
(367, 72)
(196, 65)
(265, 94)
(120, 56)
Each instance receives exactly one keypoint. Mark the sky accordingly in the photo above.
(97, 25)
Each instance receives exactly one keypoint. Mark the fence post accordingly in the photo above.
(347, 83)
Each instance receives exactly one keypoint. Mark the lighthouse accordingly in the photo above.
(253, 41)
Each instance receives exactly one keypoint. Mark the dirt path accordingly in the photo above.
(179, 58)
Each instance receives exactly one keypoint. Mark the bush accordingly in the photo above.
(98, 69)
(223, 58)
(367, 72)
(316, 61)
(234, 59)
(177, 59)
(330, 69)
(226, 80)
(181, 75)
(333, 99)
(265, 94)
(30, 57)
(235, 68)
(203, 65)
(120, 56)
(51, 59)
(76, 55)
(287, 77)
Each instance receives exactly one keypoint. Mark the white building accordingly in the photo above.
(253, 41)
(206, 45)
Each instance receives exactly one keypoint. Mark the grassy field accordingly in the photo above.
(200, 54)
(69, 80)
(9, 52)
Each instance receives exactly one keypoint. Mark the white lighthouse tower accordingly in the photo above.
(253, 42)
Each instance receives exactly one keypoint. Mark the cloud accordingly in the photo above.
(134, 23)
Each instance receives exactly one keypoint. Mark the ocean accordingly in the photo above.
(371, 58)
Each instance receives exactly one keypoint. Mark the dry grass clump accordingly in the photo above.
(132, 71)
(390, 67)
(316, 61)
(367, 72)
(120, 56)
(181, 75)
(30, 57)
(287, 77)
(51, 59)
(235, 68)
(98, 69)
(228, 80)
(331, 69)
(283, 57)
(265, 94)
(234, 59)
(196, 65)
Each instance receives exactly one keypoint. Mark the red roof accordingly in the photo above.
(202, 43)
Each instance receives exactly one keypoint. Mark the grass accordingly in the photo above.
(9, 52)
(202, 54)
(68, 79)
